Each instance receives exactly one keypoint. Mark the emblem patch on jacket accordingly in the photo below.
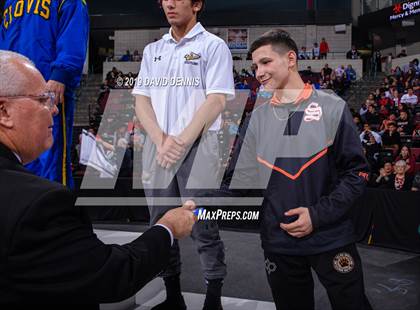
(313, 112)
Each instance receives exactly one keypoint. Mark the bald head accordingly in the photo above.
(26, 118)
(17, 73)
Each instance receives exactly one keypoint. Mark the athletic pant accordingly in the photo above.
(55, 163)
(339, 271)
(199, 169)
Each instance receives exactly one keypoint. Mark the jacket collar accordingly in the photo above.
(304, 95)
(6, 153)
(197, 29)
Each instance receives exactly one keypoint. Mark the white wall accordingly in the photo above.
(303, 35)
(401, 62)
(134, 40)
(411, 49)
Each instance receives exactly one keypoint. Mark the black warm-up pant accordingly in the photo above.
(339, 271)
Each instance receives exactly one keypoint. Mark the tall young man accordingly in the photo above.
(181, 90)
(302, 150)
(54, 35)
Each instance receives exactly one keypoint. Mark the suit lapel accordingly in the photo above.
(8, 159)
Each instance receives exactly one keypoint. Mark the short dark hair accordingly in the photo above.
(279, 39)
(192, 2)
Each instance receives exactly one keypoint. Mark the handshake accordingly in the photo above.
(180, 220)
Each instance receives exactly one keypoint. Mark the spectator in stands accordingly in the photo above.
(350, 73)
(136, 56)
(110, 57)
(384, 100)
(358, 122)
(303, 54)
(409, 158)
(415, 64)
(324, 49)
(369, 136)
(391, 119)
(416, 87)
(415, 187)
(397, 72)
(315, 52)
(416, 131)
(409, 98)
(371, 98)
(340, 71)
(377, 58)
(403, 124)
(364, 109)
(254, 70)
(403, 53)
(112, 75)
(400, 84)
(400, 180)
(243, 84)
(308, 72)
(383, 113)
(245, 73)
(377, 95)
(384, 177)
(127, 56)
(353, 53)
(371, 116)
(388, 66)
(401, 107)
(371, 142)
(103, 96)
(395, 99)
(391, 138)
(326, 73)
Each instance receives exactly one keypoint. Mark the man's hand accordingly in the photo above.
(190, 204)
(58, 89)
(302, 226)
(170, 151)
(382, 172)
(179, 220)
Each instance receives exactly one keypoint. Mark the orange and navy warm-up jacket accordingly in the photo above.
(301, 154)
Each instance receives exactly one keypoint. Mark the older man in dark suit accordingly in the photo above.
(48, 251)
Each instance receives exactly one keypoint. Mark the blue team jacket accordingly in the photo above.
(52, 33)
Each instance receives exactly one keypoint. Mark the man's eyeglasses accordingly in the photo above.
(47, 99)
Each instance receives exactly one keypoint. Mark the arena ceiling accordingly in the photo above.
(146, 13)
(123, 14)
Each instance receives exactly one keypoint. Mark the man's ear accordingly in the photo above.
(292, 59)
(197, 6)
(5, 116)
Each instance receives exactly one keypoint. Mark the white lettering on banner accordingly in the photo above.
(405, 10)
(411, 5)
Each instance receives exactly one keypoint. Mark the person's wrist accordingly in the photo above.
(167, 224)
(184, 139)
(158, 138)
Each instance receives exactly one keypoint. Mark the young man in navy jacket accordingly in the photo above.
(302, 151)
